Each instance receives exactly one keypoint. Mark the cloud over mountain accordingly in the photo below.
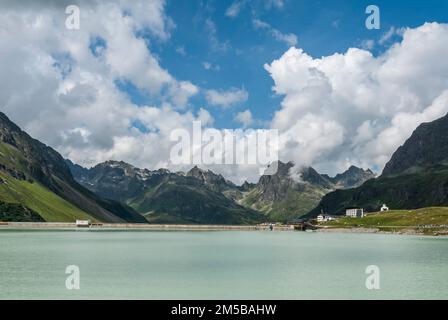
(357, 108)
(61, 84)
(63, 87)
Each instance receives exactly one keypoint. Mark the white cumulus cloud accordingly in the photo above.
(357, 108)
(341, 109)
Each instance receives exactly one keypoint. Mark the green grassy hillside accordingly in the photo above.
(30, 193)
(18, 213)
(37, 177)
(47, 204)
(433, 220)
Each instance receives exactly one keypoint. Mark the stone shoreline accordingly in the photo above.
(195, 227)
(135, 226)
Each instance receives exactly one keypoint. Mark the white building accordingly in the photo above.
(324, 217)
(82, 223)
(354, 212)
(384, 208)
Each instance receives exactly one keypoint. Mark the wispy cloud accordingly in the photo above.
(210, 66)
(215, 43)
(235, 8)
(238, 5)
(227, 98)
(368, 44)
(386, 38)
(289, 38)
(278, 4)
(181, 50)
(390, 34)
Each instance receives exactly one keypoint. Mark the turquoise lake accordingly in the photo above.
(220, 265)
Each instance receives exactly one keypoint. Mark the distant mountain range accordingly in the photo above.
(167, 197)
(202, 196)
(37, 184)
(416, 176)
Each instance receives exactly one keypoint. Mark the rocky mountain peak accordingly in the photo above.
(196, 172)
(280, 168)
(246, 186)
(214, 181)
(352, 177)
(427, 147)
(42, 162)
(310, 175)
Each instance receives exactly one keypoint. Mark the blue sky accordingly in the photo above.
(136, 71)
(322, 28)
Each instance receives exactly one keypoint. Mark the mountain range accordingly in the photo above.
(162, 196)
(38, 184)
(202, 196)
(416, 176)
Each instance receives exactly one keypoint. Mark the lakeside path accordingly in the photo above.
(185, 227)
(136, 226)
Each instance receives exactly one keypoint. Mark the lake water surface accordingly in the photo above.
(220, 265)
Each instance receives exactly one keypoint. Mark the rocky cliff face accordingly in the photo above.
(427, 146)
(41, 162)
(288, 195)
(115, 179)
(271, 188)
